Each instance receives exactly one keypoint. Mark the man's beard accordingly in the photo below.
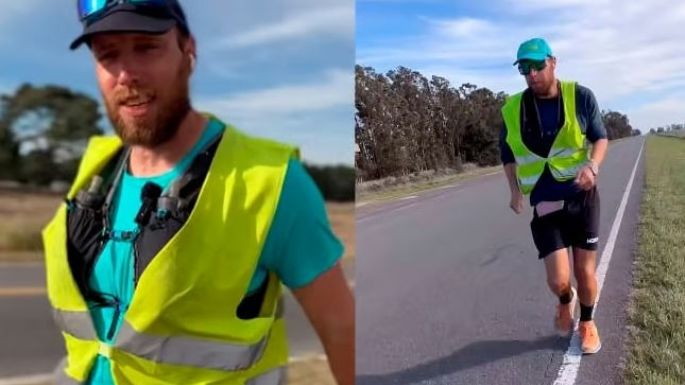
(155, 128)
(542, 88)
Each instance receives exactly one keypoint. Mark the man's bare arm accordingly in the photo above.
(329, 305)
(516, 202)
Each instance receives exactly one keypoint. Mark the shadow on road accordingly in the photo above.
(472, 355)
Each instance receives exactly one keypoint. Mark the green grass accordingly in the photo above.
(394, 188)
(24, 214)
(674, 133)
(656, 343)
(26, 240)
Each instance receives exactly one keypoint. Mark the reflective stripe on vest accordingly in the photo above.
(77, 323)
(531, 158)
(528, 181)
(562, 152)
(275, 377)
(169, 350)
(189, 351)
(570, 171)
(568, 153)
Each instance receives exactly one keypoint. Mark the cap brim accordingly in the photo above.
(124, 21)
(534, 57)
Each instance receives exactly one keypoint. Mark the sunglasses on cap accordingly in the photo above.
(90, 8)
(525, 67)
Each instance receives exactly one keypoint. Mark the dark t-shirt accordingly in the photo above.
(540, 140)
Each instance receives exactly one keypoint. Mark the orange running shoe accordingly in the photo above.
(563, 319)
(589, 337)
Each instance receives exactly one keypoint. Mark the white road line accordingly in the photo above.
(492, 173)
(406, 206)
(21, 291)
(27, 380)
(384, 212)
(409, 197)
(569, 367)
(21, 265)
(306, 357)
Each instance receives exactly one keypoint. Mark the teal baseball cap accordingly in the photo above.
(534, 49)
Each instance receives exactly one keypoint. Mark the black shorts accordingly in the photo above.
(577, 225)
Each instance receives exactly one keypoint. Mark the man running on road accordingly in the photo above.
(544, 150)
(165, 264)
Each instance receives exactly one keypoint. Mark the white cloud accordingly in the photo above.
(467, 27)
(621, 50)
(660, 113)
(318, 115)
(458, 76)
(337, 20)
(337, 89)
(539, 6)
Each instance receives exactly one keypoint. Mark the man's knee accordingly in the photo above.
(585, 269)
(559, 284)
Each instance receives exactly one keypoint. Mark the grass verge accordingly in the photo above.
(22, 216)
(310, 371)
(393, 188)
(656, 342)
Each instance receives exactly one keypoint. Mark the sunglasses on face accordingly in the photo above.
(527, 66)
(91, 8)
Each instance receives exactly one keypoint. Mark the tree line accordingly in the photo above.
(44, 131)
(407, 123)
(679, 127)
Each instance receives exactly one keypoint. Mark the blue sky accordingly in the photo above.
(630, 53)
(276, 68)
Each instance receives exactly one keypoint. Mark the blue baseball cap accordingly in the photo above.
(534, 49)
(153, 17)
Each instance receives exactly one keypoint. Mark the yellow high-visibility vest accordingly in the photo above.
(569, 151)
(181, 326)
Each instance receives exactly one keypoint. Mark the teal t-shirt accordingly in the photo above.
(299, 247)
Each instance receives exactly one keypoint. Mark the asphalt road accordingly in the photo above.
(30, 343)
(450, 290)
